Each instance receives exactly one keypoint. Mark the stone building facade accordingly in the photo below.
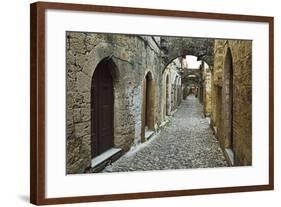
(121, 90)
(132, 66)
(171, 87)
(206, 89)
(231, 115)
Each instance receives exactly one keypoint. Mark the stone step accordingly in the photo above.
(100, 162)
(148, 134)
(230, 156)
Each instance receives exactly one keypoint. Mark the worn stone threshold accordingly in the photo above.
(173, 112)
(215, 131)
(227, 152)
(230, 155)
(164, 123)
(148, 134)
(107, 155)
(141, 145)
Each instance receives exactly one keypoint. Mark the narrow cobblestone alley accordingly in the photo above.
(186, 141)
(142, 102)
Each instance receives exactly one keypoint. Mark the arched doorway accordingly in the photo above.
(175, 93)
(102, 108)
(219, 123)
(148, 107)
(228, 80)
(167, 95)
(179, 89)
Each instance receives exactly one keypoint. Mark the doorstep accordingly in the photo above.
(230, 156)
(148, 134)
(106, 157)
(164, 123)
(173, 112)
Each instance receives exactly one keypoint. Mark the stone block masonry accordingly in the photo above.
(232, 97)
(121, 90)
(133, 56)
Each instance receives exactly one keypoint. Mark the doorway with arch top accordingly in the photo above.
(102, 101)
(148, 107)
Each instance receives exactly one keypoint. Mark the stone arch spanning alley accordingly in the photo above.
(174, 47)
(149, 83)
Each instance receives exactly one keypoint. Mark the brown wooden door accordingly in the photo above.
(101, 110)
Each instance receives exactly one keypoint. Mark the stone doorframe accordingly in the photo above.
(99, 53)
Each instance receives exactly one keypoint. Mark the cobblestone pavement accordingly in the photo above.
(186, 141)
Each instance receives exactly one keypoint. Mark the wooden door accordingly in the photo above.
(101, 110)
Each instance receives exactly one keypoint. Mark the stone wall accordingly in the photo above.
(240, 54)
(207, 90)
(133, 56)
(171, 88)
(138, 63)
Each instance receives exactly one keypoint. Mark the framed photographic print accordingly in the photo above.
(130, 103)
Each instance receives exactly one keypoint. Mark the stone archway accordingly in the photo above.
(228, 95)
(148, 107)
(174, 47)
